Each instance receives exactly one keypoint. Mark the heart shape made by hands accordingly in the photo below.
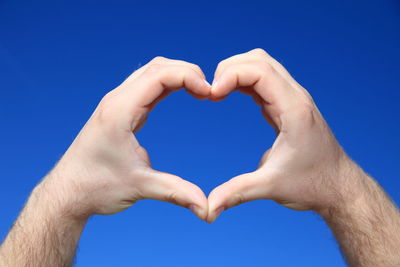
(291, 172)
(286, 168)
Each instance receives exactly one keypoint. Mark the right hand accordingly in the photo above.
(106, 170)
(305, 169)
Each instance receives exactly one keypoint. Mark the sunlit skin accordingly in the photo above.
(113, 169)
(106, 170)
(301, 169)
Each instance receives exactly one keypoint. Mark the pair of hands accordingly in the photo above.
(105, 170)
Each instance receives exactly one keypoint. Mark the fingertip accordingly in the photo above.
(213, 89)
(201, 213)
(215, 92)
(198, 202)
(201, 90)
(197, 96)
(209, 88)
(215, 205)
(214, 215)
(173, 189)
(236, 191)
(221, 87)
(216, 99)
(207, 83)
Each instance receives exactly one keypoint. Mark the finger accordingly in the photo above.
(197, 96)
(137, 97)
(141, 122)
(160, 65)
(240, 189)
(158, 78)
(168, 61)
(247, 91)
(256, 69)
(239, 58)
(161, 97)
(165, 61)
(255, 55)
(194, 67)
(276, 93)
(173, 189)
(258, 100)
(261, 76)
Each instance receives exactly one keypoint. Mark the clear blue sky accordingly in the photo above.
(58, 58)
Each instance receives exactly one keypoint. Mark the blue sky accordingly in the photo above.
(58, 58)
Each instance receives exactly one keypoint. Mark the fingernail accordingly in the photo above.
(215, 82)
(206, 82)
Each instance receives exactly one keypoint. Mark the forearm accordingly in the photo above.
(365, 222)
(46, 233)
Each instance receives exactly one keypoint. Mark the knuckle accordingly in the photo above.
(259, 51)
(238, 199)
(158, 59)
(196, 67)
(107, 97)
(107, 100)
(221, 64)
(154, 68)
(266, 66)
(172, 198)
(233, 72)
(105, 113)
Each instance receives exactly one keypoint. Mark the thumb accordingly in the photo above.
(238, 190)
(173, 189)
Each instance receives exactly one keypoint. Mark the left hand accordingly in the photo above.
(106, 170)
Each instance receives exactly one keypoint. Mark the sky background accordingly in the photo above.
(58, 58)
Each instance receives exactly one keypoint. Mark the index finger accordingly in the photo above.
(257, 70)
(162, 74)
(134, 98)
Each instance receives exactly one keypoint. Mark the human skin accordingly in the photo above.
(306, 169)
(105, 170)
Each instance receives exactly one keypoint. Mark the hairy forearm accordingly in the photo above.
(45, 234)
(365, 222)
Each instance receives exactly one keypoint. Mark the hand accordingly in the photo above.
(303, 169)
(105, 170)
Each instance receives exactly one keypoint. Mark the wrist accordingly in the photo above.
(46, 233)
(58, 199)
(351, 187)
